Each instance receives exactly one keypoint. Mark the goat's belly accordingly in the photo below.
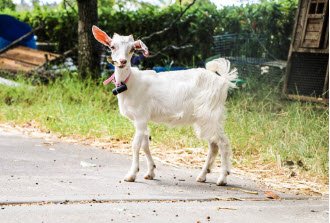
(179, 118)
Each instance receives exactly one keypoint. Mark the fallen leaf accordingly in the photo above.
(272, 195)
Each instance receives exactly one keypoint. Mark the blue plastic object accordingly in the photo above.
(11, 29)
(111, 67)
(163, 69)
(136, 60)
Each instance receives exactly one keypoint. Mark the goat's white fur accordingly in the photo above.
(189, 97)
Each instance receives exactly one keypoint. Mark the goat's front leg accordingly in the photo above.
(140, 132)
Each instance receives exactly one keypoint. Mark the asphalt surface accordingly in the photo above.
(44, 181)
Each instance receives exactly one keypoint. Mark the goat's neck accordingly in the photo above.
(121, 74)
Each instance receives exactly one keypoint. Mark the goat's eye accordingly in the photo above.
(131, 50)
(112, 47)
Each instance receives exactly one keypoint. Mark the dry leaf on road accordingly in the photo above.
(272, 195)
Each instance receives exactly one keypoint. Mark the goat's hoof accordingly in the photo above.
(222, 182)
(129, 178)
(201, 179)
(149, 176)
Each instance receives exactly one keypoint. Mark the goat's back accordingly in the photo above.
(182, 97)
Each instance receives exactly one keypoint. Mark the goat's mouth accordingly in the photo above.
(115, 63)
(119, 65)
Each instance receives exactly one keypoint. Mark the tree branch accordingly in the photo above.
(65, 2)
(173, 47)
(171, 25)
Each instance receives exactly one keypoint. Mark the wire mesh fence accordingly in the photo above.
(242, 48)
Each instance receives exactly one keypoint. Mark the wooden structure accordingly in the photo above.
(24, 59)
(307, 73)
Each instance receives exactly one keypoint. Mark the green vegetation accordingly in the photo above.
(7, 4)
(271, 19)
(260, 125)
(263, 125)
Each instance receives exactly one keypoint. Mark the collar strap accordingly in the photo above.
(113, 80)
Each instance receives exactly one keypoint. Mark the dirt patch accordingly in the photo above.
(272, 176)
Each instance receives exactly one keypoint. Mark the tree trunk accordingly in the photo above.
(88, 49)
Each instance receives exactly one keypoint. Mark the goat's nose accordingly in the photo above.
(123, 61)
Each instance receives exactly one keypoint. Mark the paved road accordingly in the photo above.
(46, 182)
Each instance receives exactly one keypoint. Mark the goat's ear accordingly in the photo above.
(139, 45)
(101, 36)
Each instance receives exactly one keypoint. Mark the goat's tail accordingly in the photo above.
(221, 66)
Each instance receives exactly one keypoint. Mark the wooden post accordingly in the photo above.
(88, 48)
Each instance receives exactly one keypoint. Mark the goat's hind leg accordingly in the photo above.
(150, 162)
(212, 153)
(225, 152)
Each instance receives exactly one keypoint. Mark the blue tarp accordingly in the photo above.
(11, 29)
(163, 69)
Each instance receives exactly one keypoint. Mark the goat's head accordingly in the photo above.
(122, 47)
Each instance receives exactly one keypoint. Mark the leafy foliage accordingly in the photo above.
(7, 4)
(272, 19)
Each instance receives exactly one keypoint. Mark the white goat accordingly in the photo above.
(189, 97)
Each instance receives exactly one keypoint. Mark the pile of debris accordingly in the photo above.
(24, 59)
(18, 53)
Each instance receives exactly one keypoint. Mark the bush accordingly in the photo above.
(272, 19)
(7, 4)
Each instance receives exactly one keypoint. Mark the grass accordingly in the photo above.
(260, 124)
(275, 130)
